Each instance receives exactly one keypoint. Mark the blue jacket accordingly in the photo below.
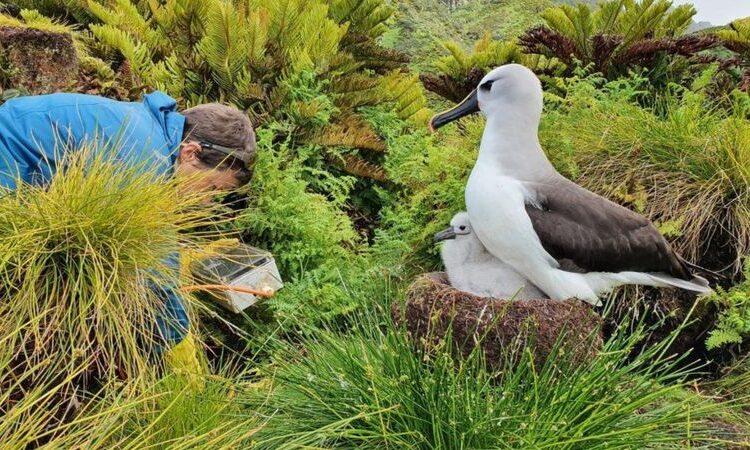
(35, 131)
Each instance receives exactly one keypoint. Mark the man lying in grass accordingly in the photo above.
(212, 146)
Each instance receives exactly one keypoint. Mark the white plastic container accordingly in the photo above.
(243, 267)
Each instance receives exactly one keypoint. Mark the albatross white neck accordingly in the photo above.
(510, 144)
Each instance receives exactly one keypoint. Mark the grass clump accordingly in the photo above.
(372, 389)
(174, 412)
(78, 262)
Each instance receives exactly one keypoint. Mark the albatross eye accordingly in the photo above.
(487, 85)
(462, 228)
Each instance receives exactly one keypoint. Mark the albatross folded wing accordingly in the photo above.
(596, 235)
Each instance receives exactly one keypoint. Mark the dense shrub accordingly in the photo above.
(617, 36)
(304, 229)
(429, 173)
(311, 62)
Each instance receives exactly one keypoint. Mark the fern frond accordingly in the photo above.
(226, 45)
(351, 131)
(719, 338)
(366, 17)
(407, 94)
(358, 167)
(138, 54)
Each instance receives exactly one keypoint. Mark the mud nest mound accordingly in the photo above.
(434, 310)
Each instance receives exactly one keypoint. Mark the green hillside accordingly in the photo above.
(422, 25)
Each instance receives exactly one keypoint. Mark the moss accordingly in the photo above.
(40, 61)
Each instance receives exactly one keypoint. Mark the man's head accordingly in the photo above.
(218, 150)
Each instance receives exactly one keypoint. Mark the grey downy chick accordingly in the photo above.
(471, 268)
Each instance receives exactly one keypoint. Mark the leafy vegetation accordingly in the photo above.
(310, 64)
(734, 322)
(617, 36)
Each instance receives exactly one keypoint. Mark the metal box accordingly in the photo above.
(242, 266)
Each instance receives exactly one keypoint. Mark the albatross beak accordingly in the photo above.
(469, 105)
(444, 235)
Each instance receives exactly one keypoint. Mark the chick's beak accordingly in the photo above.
(469, 105)
(445, 235)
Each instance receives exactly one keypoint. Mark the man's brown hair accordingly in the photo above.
(225, 126)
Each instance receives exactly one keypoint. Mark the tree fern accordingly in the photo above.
(250, 52)
(736, 37)
(366, 17)
(617, 36)
(459, 72)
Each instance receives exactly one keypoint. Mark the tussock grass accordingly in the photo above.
(78, 259)
(174, 412)
(687, 168)
(372, 389)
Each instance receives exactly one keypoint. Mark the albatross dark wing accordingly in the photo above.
(597, 235)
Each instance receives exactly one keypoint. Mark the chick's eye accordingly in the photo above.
(462, 227)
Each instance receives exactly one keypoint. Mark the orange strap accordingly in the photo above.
(223, 287)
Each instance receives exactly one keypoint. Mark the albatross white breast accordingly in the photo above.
(569, 242)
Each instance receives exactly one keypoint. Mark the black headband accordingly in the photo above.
(233, 152)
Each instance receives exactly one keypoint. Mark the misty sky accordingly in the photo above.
(719, 12)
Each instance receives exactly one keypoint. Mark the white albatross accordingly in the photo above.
(471, 268)
(568, 241)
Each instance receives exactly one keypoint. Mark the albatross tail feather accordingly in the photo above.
(697, 284)
(603, 282)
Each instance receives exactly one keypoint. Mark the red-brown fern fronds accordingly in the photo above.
(745, 82)
(545, 41)
(604, 45)
(642, 52)
(351, 131)
(691, 44)
(450, 88)
(724, 63)
(354, 165)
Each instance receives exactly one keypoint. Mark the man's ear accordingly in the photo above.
(189, 152)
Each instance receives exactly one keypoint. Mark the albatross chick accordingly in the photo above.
(471, 268)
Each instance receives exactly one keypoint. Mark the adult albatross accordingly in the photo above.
(568, 241)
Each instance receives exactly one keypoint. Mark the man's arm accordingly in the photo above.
(172, 320)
